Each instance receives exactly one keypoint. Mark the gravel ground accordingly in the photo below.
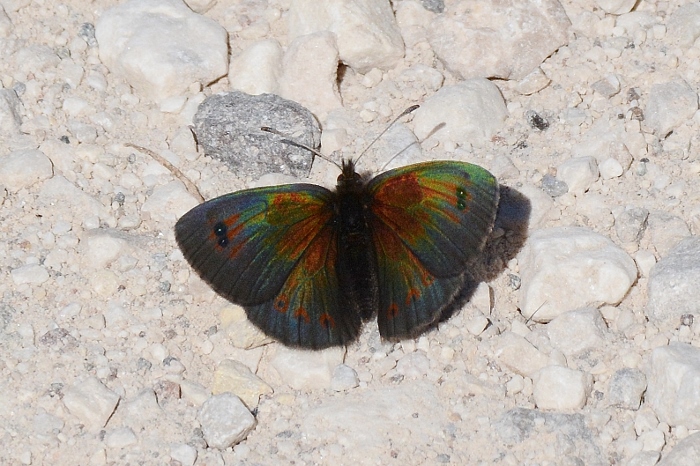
(582, 347)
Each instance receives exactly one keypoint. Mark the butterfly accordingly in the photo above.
(310, 265)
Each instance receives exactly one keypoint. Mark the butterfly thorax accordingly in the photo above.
(357, 264)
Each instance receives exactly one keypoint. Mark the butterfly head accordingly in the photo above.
(349, 178)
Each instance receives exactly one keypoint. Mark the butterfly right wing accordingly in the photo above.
(273, 250)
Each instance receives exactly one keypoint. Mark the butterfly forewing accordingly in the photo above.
(272, 250)
(428, 222)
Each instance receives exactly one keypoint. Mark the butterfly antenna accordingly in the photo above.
(433, 131)
(287, 140)
(403, 114)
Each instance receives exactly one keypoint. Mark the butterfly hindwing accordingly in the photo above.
(273, 250)
(428, 222)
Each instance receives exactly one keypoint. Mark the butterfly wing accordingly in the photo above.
(273, 250)
(428, 222)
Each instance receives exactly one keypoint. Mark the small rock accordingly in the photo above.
(631, 223)
(304, 370)
(673, 284)
(470, 43)
(566, 268)
(228, 129)
(235, 377)
(33, 274)
(561, 388)
(413, 365)
(579, 173)
(533, 82)
(120, 437)
(669, 105)
(685, 453)
(626, 389)
(666, 231)
(225, 421)
(258, 68)
(24, 168)
(166, 391)
(140, 409)
(674, 384)
(578, 331)
(616, 7)
(644, 458)
(684, 25)
(610, 168)
(310, 73)
(10, 117)
(553, 186)
(519, 355)
(607, 87)
(168, 202)
(240, 330)
(368, 36)
(161, 47)
(184, 454)
(101, 247)
(344, 378)
(91, 401)
(472, 110)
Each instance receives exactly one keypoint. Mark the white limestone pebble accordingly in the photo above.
(472, 110)
(235, 377)
(610, 168)
(140, 409)
(674, 384)
(184, 454)
(120, 437)
(366, 30)
(344, 378)
(91, 402)
(239, 330)
(519, 355)
(469, 41)
(161, 47)
(101, 247)
(560, 388)
(626, 388)
(34, 274)
(413, 365)
(567, 268)
(10, 118)
(309, 73)
(669, 105)
(168, 202)
(257, 69)
(616, 7)
(673, 284)
(225, 420)
(644, 458)
(685, 453)
(305, 370)
(578, 331)
(684, 25)
(666, 230)
(58, 190)
(579, 173)
(24, 168)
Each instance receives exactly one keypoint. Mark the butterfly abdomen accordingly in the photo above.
(356, 267)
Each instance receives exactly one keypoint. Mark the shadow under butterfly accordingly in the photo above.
(310, 265)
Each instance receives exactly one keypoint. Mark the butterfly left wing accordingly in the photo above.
(429, 221)
(273, 250)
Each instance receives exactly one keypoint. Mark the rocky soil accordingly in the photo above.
(582, 348)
